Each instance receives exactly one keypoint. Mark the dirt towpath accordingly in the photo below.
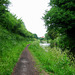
(25, 65)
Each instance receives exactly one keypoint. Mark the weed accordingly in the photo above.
(11, 47)
(54, 61)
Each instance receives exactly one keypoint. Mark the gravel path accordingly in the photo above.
(25, 65)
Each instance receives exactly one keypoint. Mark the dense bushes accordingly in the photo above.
(14, 25)
(52, 60)
(10, 21)
(60, 22)
(11, 46)
(13, 38)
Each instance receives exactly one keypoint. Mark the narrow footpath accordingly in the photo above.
(25, 65)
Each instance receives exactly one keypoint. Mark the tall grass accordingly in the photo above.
(11, 47)
(54, 61)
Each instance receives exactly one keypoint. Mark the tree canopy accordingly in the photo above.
(60, 20)
(10, 21)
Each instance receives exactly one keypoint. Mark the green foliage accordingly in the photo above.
(35, 36)
(47, 37)
(55, 62)
(60, 42)
(14, 25)
(11, 46)
(60, 20)
(42, 39)
(65, 4)
(3, 7)
(10, 21)
(13, 38)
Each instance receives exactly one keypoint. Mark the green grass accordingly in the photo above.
(11, 47)
(55, 62)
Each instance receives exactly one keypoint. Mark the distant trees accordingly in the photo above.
(35, 36)
(60, 22)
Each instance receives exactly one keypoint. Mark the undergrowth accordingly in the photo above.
(11, 47)
(55, 62)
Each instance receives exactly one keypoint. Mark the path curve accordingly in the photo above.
(25, 65)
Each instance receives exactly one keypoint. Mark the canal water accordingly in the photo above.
(44, 45)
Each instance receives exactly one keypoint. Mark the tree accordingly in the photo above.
(10, 21)
(61, 18)
(3, 8)
(35, 36)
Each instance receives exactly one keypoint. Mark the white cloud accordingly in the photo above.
(31, 12)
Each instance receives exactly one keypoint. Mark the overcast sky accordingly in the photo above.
(31, 11)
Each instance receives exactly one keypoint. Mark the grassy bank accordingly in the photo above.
(55, 62)
(11, 46)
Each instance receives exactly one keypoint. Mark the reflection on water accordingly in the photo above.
(44, 44)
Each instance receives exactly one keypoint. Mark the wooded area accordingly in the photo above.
(60, 23)
(56, 58)
(13, 38)
(10, 21)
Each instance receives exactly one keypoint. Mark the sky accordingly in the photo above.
(31, 12)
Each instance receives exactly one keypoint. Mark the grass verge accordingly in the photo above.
(55, 62)
(11, 47)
